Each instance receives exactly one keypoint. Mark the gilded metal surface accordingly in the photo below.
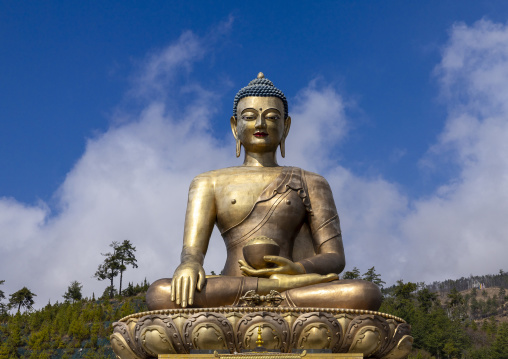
(275, 331)
(261, 199)
(252, 299)
(157, 335)
(259, 341)
(122, 342)
(257, 248)
(293, 208)
(265, 356)
(373, 334)
(341, 314)
(366, 334)
(317, 330)
(208, 331)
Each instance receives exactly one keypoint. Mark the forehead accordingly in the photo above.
(260, 102)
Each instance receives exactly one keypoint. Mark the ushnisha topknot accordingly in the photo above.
(260, 87)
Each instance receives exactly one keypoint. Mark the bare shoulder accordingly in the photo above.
(315, 180)
(320, 194)
(216, 176)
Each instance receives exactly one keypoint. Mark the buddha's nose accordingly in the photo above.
(260, 122)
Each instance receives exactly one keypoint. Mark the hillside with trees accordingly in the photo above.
(463, 318)
(77, 328)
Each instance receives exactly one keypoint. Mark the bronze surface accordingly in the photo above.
(259, 199)
(286, 330)
(257, 248)
(265, 356)
(282, 234)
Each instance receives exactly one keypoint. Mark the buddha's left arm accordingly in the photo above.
(325, 228)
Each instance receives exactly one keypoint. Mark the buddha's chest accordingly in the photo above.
(236, 197)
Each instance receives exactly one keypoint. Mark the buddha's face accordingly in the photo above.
(260, 124)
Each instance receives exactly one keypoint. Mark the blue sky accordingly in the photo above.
(108, 109)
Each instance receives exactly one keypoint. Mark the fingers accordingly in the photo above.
(185, 291)
(177, 289)
(243, 263)
(332, 276)
(192, 287)
(281, 261)
(257, 272)
(201, 280)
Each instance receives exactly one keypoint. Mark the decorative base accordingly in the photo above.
(235, 329)
(264, 356)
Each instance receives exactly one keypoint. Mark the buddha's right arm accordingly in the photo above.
(199, 222)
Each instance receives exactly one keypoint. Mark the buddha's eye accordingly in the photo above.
(273, 117)
(248, 116)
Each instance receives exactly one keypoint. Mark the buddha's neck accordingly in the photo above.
(260, 159)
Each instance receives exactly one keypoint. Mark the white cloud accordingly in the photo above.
(131, 183)
(319, 123)
(462, 229)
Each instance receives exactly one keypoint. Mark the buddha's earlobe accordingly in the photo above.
(238, 147)
(235, 133)
(287, 125)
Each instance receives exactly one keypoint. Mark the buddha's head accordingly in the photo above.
(260, 120)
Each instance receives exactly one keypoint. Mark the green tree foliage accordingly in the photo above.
(74, 291)
(353, 274)
(426, 299)
(2, 294)
(455, 298)
(500, 345)
(432, 328)
(3, 306)
(125, 256)
(22, 298)
(7, 351)
(133, 290)
(78, 329)
(108, 270)
(65, 330)
(116, 263)
(373, 277)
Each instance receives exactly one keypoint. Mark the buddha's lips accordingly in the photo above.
(261, 134)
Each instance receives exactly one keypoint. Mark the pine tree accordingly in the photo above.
(373, 277)
(7, 350)
(74, 292)
(14, 329)
(426, 299)
(125, 255)
(455, 298)
(500, 345)
(2, 294)
(22, 298)
(354, 274)
(116, 263)
(108, 270)
(3, 307)
(78, 329)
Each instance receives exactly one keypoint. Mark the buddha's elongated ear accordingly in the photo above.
(233, 126)
(235, 133)
(287, 125)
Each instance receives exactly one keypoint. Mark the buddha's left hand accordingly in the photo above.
(282, 266)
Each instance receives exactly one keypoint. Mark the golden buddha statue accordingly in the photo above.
(260, 199)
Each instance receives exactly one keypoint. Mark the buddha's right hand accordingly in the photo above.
(188, 276)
